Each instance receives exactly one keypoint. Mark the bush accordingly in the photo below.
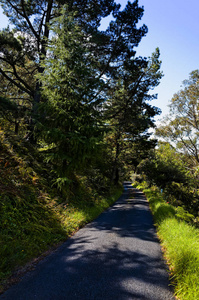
(166, 170)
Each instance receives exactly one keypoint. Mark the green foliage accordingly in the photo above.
(28, 223)
(179, 176)
(164, 166)
(71, 126)
(184, 215)
(128, 112)
(76, 82)
(24, 47)
(34, 215)
(182, 123)
(78, 102)
(7, 106)
(166, 169)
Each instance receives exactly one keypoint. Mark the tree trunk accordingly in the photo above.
(37, 95)
(16, 127)
(115, 174)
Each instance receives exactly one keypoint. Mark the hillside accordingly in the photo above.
(34, 214)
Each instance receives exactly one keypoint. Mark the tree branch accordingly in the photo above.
(20, 79)
(28, 21)
(20, 86)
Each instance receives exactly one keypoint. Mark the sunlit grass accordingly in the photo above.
(180, 244)
(76, 216)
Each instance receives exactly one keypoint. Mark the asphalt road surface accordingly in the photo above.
(116, 257)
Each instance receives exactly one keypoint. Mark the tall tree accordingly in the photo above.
(30, 36)
(70, 83)
(128, 111)
(17, 80)
(86, 68)
(27, 40)
(182, 127)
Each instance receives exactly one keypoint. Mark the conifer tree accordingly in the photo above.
(81, 75)
(70, 83)
(128, 110)
(30, 35)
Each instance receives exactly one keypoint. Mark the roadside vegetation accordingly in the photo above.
(179, 241)
(34, 215)
(170, 179)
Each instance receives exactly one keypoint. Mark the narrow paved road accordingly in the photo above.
(116, 257)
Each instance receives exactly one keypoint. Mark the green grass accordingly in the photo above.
(180, 244)
(75, 214)
(29, 228)
(31, 225)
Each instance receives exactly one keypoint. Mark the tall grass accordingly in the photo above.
(180, 244)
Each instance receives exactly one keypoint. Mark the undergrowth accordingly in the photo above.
(180, 243)
(34, 215)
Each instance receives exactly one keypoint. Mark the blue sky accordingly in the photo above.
(173, 27)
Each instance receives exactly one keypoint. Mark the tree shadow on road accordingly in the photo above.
(74, 273)
(116, 257)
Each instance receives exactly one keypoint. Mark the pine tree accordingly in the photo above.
(30, 36)
(128, 112)
(71, 126)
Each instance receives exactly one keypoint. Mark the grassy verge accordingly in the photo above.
(34, 216)
(29, 229)
(180, 244)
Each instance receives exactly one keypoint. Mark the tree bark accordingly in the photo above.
(115, 174)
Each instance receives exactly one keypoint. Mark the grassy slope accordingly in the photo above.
(180, 243)
(33, 215)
